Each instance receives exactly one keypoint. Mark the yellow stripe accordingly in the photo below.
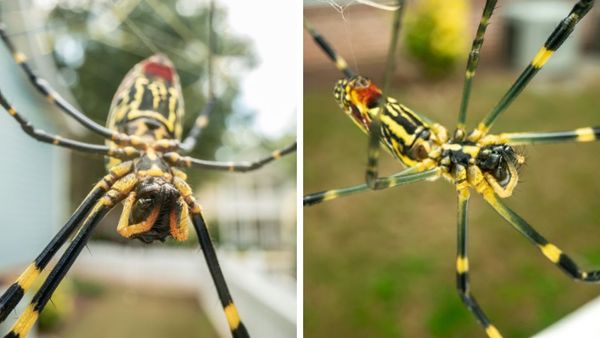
(20, 57)
(341, 64)
(330, 195)
(25, 322)
(276, 154)
(541, 58)
(202, 121)
(397, 129)
(462, 264)
(585, 134)
(233, 318)
(492, 332)
(12, 111)
(552, 252)
(28, 276)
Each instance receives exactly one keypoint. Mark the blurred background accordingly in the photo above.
(120, 288)
(381, 264)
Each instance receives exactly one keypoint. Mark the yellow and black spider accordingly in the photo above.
(144, 145)
(470, 160)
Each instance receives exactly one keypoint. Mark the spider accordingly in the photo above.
(474, 160)
(146, 150)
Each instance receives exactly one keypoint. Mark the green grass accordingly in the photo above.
(381, 264)
(123, 312)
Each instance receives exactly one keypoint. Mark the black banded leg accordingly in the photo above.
(12, 296)
(404, 177)
(340, 63)
(183, 161)
(462, 267)
(44, 88)
(371, 173)
(238, 330)
(26, 320)
(473, 62)
(45, 137)
(587, 134)
(549, 250)
(200, 123)
(556, 39)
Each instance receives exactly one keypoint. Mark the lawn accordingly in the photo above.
(381, 264)
(124, 312)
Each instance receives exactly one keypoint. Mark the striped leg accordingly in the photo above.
(44, 88)
(238, 330)
(340, 63)
(558, 36)
(549, 250)
(201, 122)
(587, 134)
(404, 177)
(184, 161)
(473, 62)
(462, 266)
(26, 320)
(371, 173)
(43, 136)
(15, 292)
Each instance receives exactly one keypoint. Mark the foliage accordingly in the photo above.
(436, 34)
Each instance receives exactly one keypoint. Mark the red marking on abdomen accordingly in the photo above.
(159, 70)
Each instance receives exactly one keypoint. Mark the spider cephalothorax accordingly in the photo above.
(497, 164)
(154, 211)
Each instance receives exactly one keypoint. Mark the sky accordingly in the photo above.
(272, 88)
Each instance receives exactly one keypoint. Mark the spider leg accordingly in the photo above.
(473, 62)
(462, 263)
(555, 40)
(340, 63)
(45, 137)
(184, 161)
(201, 122)
(371, 173)
(401, 178)
(587, 134)
(15, 292)
(116, 193)
(42, 86)
(549, 250)
(238, 330)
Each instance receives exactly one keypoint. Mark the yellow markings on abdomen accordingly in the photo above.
(233, 317)
(552, 252)
(541, 58)
(25, 322)
(28, 276)
(585, 134)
